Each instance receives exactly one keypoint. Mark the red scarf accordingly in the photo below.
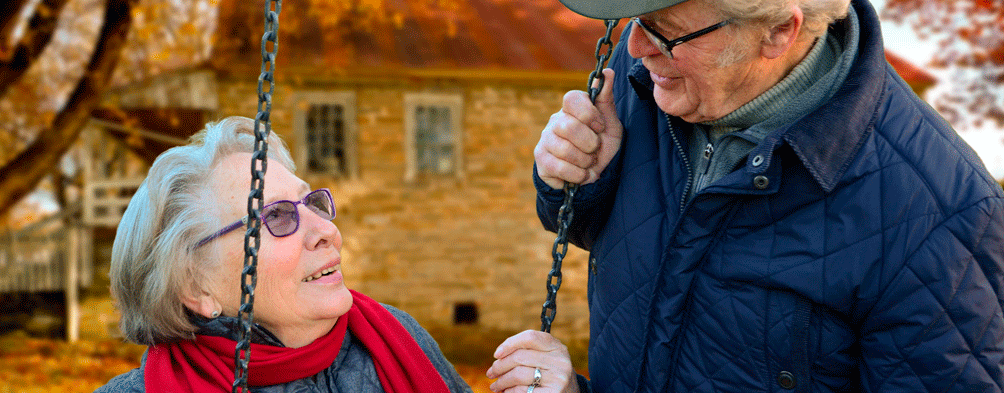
(207, 364)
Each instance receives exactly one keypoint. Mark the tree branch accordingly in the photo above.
(14, 61)
(7, 22)
(22, 174)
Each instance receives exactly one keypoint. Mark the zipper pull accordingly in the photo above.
(708, 151)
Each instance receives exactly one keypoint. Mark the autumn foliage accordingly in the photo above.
(40, 365)
(970, 35)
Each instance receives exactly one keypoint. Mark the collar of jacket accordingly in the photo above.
(230, 327)
(827, 140)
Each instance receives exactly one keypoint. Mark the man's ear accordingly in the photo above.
(202, 303)
(781, 37)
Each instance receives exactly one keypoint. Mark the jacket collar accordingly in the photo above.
(230, 328)
(829, 138)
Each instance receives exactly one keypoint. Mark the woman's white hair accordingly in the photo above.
(761, 15)
(154, 260)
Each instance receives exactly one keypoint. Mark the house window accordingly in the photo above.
(434, 135)
(434, 139)
(326, 126)
(465, 314)
(326, 139)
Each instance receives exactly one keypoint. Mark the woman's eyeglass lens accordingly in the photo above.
(282, 218)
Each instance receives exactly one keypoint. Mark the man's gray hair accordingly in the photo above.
(818, 13)
(154, 261)
(763, 14)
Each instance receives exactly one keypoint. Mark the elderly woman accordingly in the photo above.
(768, 207)
(175, 275)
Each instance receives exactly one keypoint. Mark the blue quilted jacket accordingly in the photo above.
(857, 250)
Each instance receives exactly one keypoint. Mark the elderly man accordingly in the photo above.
(768, 207)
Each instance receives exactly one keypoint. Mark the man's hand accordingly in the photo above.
(580, 140)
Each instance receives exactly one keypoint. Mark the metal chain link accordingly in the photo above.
(566, 212)
(259, 164)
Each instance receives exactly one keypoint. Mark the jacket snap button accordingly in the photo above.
(757, 160)
(761, 182)
(786, 380)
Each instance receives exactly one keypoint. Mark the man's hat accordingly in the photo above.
(614, 9)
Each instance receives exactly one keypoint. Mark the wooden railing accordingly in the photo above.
(34, 258)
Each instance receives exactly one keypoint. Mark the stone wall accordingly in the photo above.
(430, 245)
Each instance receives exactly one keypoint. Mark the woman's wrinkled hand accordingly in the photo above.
(519, 356)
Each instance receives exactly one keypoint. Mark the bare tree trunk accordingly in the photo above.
(21, 174)
(14, 61)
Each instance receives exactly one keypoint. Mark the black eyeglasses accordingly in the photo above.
(282, 218)
(666, 46)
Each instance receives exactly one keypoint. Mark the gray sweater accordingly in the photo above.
(351, 372)
(719, 146)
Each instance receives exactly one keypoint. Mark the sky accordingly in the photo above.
(988, 142)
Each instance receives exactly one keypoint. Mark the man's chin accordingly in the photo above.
(673, 104)
(677, 105)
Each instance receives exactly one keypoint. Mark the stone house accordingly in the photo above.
(423, 129)
(424, 133)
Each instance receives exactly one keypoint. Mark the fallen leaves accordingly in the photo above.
(40, 365)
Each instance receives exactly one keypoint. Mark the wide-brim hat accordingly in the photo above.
(614, 9)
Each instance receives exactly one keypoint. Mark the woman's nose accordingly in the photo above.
(319, 231)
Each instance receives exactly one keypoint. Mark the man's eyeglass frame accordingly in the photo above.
(296, 211)
(665, 45)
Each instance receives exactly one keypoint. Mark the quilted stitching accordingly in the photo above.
(900, 254)
(869, 254)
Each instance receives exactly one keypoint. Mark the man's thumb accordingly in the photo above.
(605, 99)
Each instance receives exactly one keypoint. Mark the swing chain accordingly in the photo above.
(601, 60)
(566, 212)
(259, 164)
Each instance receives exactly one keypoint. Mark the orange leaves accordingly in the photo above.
(970, 36)
(167, 35)
(985, 4)
(36, 365)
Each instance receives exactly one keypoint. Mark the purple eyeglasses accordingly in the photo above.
(282, 218)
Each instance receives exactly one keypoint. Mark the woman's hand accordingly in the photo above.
(520, 355)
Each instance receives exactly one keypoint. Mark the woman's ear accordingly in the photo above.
(780, 38)
(203, 304)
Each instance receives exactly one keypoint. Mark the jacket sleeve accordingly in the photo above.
(937, 326)
(590, 206)
(130, 382)
(432, 351)
(584, 385)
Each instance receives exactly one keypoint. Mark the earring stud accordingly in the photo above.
(215, 314)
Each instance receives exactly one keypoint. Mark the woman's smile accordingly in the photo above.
(330, 275)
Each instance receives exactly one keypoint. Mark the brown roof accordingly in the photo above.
(511, 35)
(531, 36)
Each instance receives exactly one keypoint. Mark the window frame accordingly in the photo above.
(452, 101)
(302, 101)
